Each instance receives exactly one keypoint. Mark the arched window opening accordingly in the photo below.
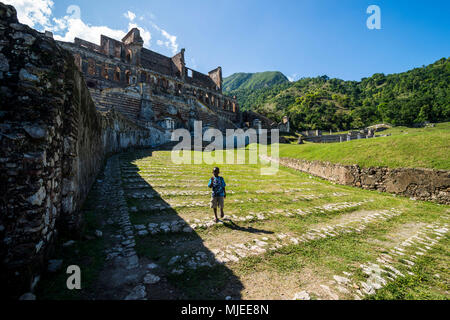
(117, 74)
(105, 72)
(129, 56)
(128, 76)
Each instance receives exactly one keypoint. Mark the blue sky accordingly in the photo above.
(300, 38)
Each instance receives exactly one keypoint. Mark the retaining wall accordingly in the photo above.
(420, 184)
(53, 143)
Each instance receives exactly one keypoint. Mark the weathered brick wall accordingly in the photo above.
(52, 145)
(421, 184)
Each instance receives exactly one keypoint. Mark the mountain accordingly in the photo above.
(253, 81)
(408, 98)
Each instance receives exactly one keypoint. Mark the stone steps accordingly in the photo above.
(189, 225)
(233, 253)
(396, 262)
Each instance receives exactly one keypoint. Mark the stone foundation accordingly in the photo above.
(420, 184)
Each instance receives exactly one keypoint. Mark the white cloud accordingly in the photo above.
(293, 77)
(76, 28)
(34, 13)
(130, 15)
(170, 41)
(145, 34)
(193, 64)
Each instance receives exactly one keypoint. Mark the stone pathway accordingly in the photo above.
(180, 225)
(127, 277)
(232, 253)
(386, 268)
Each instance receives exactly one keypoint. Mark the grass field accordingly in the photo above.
(406, 147)
(283, 237)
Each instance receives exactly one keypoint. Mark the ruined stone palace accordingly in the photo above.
(152, 89)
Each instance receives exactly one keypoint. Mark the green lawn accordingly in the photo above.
(405, 148)
(282, 235)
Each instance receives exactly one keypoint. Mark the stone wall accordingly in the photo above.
(53, 142)
(420, 184)
(317, 136)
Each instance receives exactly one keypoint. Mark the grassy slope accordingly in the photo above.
(407, 147)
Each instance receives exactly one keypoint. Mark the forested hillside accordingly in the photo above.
(416, 96)
(253, 81)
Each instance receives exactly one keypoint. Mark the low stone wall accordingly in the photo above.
(53, 143)
(421, 184)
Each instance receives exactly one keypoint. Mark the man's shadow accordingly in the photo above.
(228, 223)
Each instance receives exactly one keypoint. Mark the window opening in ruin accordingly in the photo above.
(105, 72)
(91, 67)
(117, 74)
(189, 73)
(128, 76)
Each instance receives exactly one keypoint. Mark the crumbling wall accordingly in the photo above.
(216, 76)
(417, 183)
(249, 117)
(53, 143)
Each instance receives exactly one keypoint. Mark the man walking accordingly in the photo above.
(217, 184)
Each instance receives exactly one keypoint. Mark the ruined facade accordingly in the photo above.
(150, 88)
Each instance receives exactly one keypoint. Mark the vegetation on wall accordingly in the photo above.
(409, 98)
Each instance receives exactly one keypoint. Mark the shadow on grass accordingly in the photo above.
(200, 283)
(228, 223)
